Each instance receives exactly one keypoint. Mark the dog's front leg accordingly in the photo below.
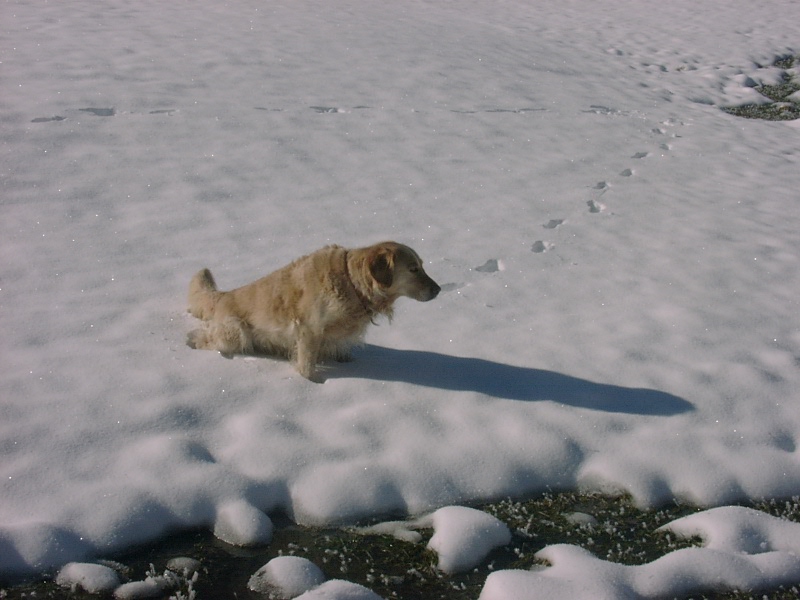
(307, 354)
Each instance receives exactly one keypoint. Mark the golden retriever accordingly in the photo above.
(315, 308)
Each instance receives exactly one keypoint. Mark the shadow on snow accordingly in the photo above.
(457, 373)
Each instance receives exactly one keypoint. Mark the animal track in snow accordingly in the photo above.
(553, 223)
(599, 109)
(491, 266)
(601, 187)
(517, 111)
(47, 119)
(97, 112)
(100, 112)
(335, 109)
(540, 246)
(451, 287)
(595, 206)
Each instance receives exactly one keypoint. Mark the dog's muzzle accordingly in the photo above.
(431, 291)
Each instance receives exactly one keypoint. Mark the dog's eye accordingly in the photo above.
(414, 269)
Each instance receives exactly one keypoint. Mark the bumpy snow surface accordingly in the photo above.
(618, 257)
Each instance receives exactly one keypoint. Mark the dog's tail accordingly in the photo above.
(203, 295)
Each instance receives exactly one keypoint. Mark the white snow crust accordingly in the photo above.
(464, 536)
(139, 590)
(242, 524)
(337, 589)
(618, 257)
(286, 577)
(745, 550)
(89, 577)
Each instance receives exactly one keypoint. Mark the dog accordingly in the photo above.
(317, 307)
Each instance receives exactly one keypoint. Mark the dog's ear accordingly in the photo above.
(381, 266)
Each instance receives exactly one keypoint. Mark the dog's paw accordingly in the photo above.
(316, 377)
(310, 372)
(196, 339)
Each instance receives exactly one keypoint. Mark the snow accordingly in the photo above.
(463, 537)
(104, 578)
(745, 550)
(181, 572)
(738, 529)
(89, 577)
(401, 530)
(286, 577)
(618, 259)
(242, 524)
(582, 519)
(336, 589)
(138, 590)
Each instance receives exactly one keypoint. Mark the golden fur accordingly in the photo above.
(317, 307)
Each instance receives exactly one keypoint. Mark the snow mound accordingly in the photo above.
(464, 536)
(286, 577)
(739, 529)
(336, 589)
(747, 550)
(239, 523)
(89, 577)
(139, 590)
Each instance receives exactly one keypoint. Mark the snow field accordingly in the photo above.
(618, 258)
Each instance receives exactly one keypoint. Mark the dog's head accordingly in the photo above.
(398, 271)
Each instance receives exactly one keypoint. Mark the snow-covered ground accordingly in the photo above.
(619, 260)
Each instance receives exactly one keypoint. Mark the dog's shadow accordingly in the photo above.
(445, 372)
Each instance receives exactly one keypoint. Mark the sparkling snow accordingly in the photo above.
(618, 256)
